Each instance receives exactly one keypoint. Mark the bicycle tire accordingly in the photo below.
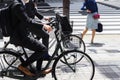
(74, 38)
(11, 58)
(82, 70)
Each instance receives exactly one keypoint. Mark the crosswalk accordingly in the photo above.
(110, 17)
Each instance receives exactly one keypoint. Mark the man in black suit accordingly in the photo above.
(32, 12)
(31, 9)
(21, 24)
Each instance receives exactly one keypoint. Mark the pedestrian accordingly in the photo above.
(91, 7)
(31, 9)
(21, 24)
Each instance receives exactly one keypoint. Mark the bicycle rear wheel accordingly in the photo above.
(10, 59)
(82, 70)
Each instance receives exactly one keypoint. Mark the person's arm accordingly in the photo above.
(92, 7)
(38, 14)
(83, 7)
(23, 17)
(36, 11)
(96, 7)
(41, 16)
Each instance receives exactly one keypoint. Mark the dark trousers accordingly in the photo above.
(25, 40)
(39, 49)
(43, 48)
(41, 34)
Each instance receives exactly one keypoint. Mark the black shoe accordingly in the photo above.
(48, 57)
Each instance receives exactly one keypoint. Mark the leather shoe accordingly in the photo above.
(25, 71)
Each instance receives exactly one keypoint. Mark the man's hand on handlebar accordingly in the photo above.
(47, 27)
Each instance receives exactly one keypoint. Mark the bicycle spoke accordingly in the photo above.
(66, 62)
(12, 63)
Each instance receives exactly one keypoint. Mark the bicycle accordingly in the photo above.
(84, 66)
(69, 41)
(66, 61)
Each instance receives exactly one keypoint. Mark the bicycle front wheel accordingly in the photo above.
(82, 70)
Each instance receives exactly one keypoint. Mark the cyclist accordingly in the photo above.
(32, 12)
(21, 24)
(31, 9)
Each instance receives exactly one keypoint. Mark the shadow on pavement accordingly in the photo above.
(108, 70)
(96, 45)
(112, 51)
(15, 74)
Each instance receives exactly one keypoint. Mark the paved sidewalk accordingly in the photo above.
(105, 53)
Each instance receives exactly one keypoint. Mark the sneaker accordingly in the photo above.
(25, 71)
(46, 71)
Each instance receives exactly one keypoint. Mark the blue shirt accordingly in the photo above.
(90, 5)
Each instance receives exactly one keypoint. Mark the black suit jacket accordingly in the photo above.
(21, 23)
(31, 10)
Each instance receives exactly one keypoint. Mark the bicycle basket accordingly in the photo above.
(71, 42)
(65, 25)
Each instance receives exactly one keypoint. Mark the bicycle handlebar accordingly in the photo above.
(52, 22)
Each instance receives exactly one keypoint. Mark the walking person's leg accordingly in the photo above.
(84, 32)
(93, 35)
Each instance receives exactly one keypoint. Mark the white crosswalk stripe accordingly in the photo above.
(110, 18)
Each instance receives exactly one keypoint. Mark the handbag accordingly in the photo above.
(100, 27)
(96, 16)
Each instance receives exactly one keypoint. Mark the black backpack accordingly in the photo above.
(5, 21)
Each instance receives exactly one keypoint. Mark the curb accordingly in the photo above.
(110, 5)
